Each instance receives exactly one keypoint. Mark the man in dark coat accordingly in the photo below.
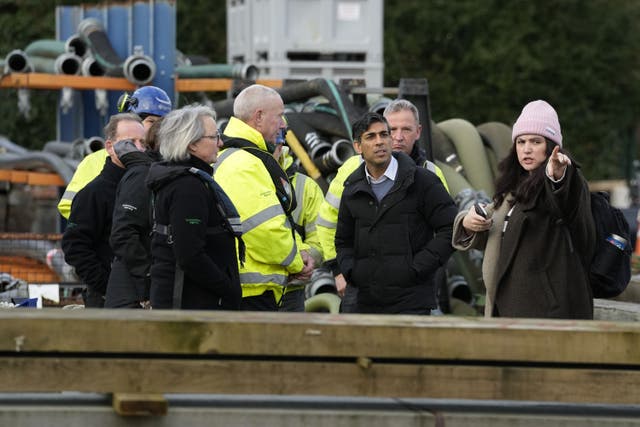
(86, 240)
(394, 226)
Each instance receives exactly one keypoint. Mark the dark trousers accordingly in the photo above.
(263, 302)
(92, 299)
(349, 303)
(293, 301)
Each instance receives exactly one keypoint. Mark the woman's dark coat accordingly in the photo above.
(199, 244)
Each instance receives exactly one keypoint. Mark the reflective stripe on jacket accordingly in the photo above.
(89, 168)
(271, 250)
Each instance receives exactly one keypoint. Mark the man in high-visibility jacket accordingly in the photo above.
(149, 103)
(262, 194)
(405, 127)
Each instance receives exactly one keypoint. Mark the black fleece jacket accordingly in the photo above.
(86, 240)
(130, 233)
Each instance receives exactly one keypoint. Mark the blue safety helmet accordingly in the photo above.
(146, 101)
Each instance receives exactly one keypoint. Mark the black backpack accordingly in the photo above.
(610, 268)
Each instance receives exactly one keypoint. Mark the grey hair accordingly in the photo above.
(402, 105)
(251, 99)
(180, 128)
(111, 129)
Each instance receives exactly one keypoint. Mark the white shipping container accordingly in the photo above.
(308, 38)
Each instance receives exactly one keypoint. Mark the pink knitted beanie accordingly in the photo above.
(538, 118)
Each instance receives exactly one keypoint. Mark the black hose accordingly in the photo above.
(75, 44)
(323, 122)
(93, 34)
(313, 143)
(331, 160)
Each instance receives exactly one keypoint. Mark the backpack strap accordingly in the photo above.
(279, 177)
(558, 214)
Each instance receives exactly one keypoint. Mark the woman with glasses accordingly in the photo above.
(195, 228)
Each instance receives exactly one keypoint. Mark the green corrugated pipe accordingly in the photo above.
(466, 139)
(45, 48)
(235, 71)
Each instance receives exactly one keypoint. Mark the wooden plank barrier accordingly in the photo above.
(156, 352)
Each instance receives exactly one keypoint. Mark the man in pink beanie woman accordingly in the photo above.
(531, 268)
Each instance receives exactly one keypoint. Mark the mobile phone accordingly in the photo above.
(480, 210)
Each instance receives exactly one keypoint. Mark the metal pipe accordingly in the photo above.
(17, 61)
(70, 400)
(75, 44)
(91, 67)
(331, 160)
(234, 71)
(68, 63)
(139, 69)
(95, 37)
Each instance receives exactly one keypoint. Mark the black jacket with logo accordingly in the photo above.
(86, 240)
(130, 233)
(199, 245)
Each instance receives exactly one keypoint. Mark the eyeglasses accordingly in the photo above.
(215, 137)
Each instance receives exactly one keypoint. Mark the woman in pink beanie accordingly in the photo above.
(530, 267)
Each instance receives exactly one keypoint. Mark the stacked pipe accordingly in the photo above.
(43, 56)
(138, 68)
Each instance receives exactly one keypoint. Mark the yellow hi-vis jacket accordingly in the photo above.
(87, 170)
(272, 252)
(328, 216)
(309, 197)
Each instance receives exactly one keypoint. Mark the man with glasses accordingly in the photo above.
(262, 194)
(394, 225)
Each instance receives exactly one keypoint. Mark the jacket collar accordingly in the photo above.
(236, 128)
(111, 171)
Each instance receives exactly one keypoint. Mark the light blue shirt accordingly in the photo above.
(382, 185)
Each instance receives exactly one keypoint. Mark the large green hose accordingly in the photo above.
(455, 181)
(323, 303)
(470, 149)
(444, 150)
(498, 136)
(493, 160)
(45, 48)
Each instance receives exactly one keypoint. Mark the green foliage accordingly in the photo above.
(485, 60)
